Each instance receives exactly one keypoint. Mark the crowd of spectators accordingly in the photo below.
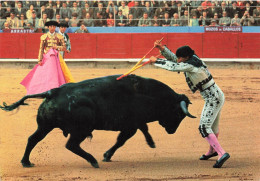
(34, 14)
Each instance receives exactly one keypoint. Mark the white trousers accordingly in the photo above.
(214, 100)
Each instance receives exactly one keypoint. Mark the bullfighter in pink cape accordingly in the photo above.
(51, 70)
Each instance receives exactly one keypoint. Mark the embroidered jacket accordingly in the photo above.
(48, 41)
(197, 77)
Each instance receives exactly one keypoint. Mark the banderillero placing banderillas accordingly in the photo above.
(138, 64)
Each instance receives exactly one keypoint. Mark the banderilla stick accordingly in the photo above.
(137, 66)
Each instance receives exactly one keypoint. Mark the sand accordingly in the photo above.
(176, 157)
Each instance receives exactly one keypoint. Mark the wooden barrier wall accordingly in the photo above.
(136, 45)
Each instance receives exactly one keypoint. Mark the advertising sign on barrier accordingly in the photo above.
(223, 29)
(18, 31)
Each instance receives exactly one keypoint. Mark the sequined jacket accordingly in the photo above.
(197, 78)
(48, 41)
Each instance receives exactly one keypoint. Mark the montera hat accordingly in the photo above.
(63, 24)
(184, 51)
(50, 23)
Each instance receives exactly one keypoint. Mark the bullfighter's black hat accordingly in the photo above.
(49, 23)
(63, 24)
(184, 51)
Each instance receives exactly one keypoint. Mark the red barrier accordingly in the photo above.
(135, 45)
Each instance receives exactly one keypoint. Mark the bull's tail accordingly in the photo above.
(5, 107)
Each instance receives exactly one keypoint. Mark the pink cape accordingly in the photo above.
(45, 77)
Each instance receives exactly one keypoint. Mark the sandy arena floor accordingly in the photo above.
(175, 156)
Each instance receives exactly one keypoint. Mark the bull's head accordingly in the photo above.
(173, 119)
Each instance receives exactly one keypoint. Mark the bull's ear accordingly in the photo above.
(185, 109)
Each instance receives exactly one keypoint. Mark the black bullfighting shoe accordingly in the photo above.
(221, 161)
(206, 157)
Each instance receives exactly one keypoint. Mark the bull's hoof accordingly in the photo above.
(152, 145)
(106, 160)
(27, 164)
(95, 165)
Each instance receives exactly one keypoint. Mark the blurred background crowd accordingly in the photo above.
(118, 13)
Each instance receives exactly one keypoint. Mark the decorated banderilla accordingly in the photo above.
(138, 64)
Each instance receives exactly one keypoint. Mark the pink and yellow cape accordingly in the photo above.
(51, 74)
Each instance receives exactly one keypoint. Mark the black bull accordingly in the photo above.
(105, 104)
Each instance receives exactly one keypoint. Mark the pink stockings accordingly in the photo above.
(214, 145)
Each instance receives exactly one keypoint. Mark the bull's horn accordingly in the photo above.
(185, 109)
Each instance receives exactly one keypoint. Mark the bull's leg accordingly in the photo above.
(121, 139)
(148, 137)
(73, 145)
(35, 138)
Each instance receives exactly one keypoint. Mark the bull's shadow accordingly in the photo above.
(105, 103)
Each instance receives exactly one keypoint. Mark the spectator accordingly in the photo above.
(88, 21)
(213, 10)
(136, 11)
(194, 21)
(29, 12)
(49, 4)
(51, 10)
(256, 15)
(86, 10)
(206, 5)
(154, 4)
(179, 9)
(234, 10)
(131, 4)
(22, 22)
(57, 18)
(159, 12)
(7, 13)
(101, 10)
(68, 3)
(225, 20)
(185, 18)
(145, 20)
(120, 19)
(124, 9)
(89, 2)
(74, 21)
(41, 11)
(247, 20)
(6, 26)
(37, 4)
(175, 21)
(26, 4)
(99, 21)
(156, 22)
(110, 20)
(235, 21)
(76, 9)
(224, 9)
(213, 22)
(65, 11)
(131, 21)
(166, 20)
(197, 12)
(2, 11)
(19, 10)
(249, 9)
(43, 20)
(204, 20)
(54, 11)
(148, 9)
(241, 5)
(58, 4)
(111, 8)
(215, 18)
(34, 21)
(12, 20)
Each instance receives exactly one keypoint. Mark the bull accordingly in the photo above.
(105, 104)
